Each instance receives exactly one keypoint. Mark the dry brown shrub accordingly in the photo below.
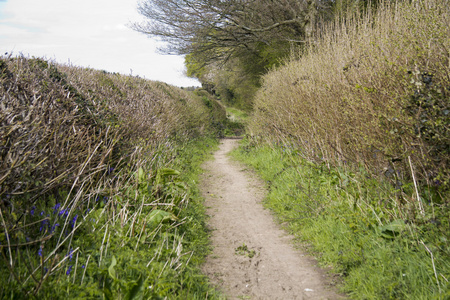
(373, 88)
(64, 129)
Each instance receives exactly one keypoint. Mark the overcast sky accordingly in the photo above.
(89, 33)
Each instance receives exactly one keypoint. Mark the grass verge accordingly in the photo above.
(123, 249)
(355, 225)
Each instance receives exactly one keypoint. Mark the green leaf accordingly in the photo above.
(168, 172)
(389, 230)
(136, 292)
(157, 216)
(140, 175)
(111, 270)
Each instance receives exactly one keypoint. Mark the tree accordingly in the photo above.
(220, 29)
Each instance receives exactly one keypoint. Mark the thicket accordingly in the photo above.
(363, 111)
(373, 90)
(97, 176)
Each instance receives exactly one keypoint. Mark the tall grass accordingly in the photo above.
(91, 205)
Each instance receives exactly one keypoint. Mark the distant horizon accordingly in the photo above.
(87, 34)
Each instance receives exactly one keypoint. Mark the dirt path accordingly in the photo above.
(252, 258)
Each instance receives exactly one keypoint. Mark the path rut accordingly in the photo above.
(252, 258)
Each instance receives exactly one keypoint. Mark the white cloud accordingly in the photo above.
(91, 33)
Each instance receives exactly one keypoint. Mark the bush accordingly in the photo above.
(89, 199)
(372, 89)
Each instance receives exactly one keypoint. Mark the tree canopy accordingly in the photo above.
(251, 34)
(219, 29)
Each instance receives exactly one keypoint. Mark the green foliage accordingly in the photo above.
(359, 225)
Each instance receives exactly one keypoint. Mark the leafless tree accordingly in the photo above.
(217, 29)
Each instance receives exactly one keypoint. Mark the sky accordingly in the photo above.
(88, 33)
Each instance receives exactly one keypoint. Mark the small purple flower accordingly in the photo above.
(54, 227)
(56, 208)
(69, 270)
(97, 199)
(32, 210)
(72, 222)
(40, 252)
(70, 255)
(43, 223)
(110, 170)
(42, 213)
(83, 266)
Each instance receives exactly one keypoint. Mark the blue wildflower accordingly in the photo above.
(32, 210)
(40, 252)
(83, 266)
(56, 208)
(69, 270)
(54, 227)
(72, 222)
(70, 255)
(42, 213)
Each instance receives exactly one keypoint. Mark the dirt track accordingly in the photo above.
(252, 258)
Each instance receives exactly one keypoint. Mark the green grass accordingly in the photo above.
(237, 115)
(355, 227)
(155, 253)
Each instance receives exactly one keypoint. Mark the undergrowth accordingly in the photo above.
(359, 226)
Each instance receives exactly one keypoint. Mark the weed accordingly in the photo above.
(245, 251)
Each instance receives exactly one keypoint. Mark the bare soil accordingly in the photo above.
(253, 258)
